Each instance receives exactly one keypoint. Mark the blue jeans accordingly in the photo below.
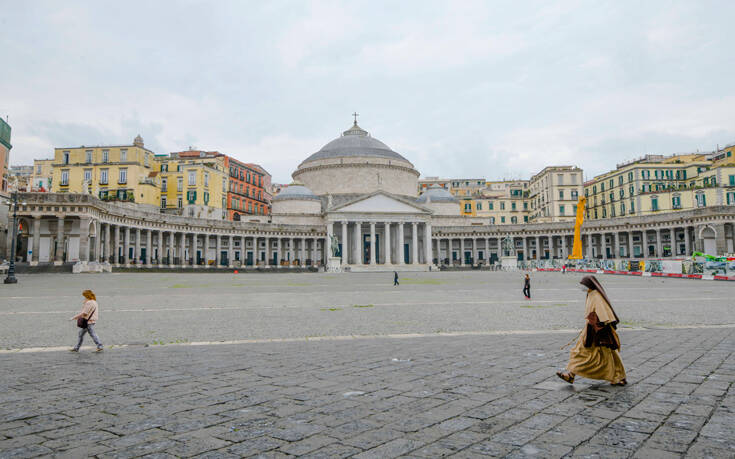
(90, 330)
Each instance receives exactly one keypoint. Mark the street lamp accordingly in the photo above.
(11, 279)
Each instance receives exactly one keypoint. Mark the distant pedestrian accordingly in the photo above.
(596, 354)
(527, 287)
(87, 319)
(564, 268)
(395, 278)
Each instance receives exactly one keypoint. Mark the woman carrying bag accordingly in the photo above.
(86, 320)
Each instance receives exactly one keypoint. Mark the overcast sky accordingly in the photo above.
(461, 89)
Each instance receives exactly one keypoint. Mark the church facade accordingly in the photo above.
(356, 201)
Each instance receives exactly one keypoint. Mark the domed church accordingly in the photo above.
(366, 195)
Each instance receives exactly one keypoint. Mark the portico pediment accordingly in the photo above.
(380, 203)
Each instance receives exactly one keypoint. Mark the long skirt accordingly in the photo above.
(596, 362)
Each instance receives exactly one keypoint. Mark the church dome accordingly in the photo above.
(355, 142)
(435, 193)
(297, 192)
(355, 164)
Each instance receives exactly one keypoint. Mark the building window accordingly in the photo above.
(490, 206)
(164, 185)
(654, 203)
(180, 184)
(575, 195)
(88, 156)
(206, 179)
(145, 160)
(560, 179)
(123, 176)
(206, 199)
(514, 220)
(492, 220)
(731, 198)
(64, 178)
(502, 206)
(701, 200)
(180, 202)
(105, 156)
(88, 175)
(163, 202)
(467, 207)
(479, 206)
(123, 156)
(103, 176)
(632, 206)
(561, 210)
(561, 194)
(512, 206)
(676, 202)
(622, 193)
(191, 196)
(224, 185)
(604, 212)
(732, 180)
(502, 219)
(574, 209)
(66, 157)
(622, 209)
(192, 178)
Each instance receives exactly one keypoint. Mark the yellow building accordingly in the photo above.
(41, 178)
(194, 183)
(554, 193)
(125, 173)
(658, 183)
(503, 202)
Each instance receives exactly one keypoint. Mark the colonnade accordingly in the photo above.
(660, 242)
(382, 242)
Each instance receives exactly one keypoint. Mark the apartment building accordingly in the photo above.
(554, 193)
(127, 173)
(659, 183)
(194, 183)
(41, 178)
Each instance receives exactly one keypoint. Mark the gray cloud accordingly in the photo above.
(493, 89)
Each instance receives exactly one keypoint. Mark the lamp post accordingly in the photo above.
(11, 279)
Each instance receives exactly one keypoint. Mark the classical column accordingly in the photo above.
(500, 246)
(461, 251)
(526, 255)
(159, 258)
(313, 252)
(659, 244)
(357, 252)
(330, 233)
(230, 251)
(107, 243)
(388, 247)
(686, 241)
(603, 245)
(539, 249)
(171, 249)
(268, 251)
(302, 258)
(290, 252)
(589, 246)
(218, 245)
(83, 238)
(59, 256)
(564, 253)
(136, 253)
(400, 245)
(345, 251)
(243, 252)
(428, 244)
(148, 247)
(37, 239)
(279, 251)
(193, 250)
(205, 250)
(372, 243)
(182, 250)
(126, 246)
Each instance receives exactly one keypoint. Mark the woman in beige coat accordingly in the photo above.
(596, 356)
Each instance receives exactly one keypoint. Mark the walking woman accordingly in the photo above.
(87, 319)
(595, 356)
(527, 287)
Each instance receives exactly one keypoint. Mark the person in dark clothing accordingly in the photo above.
(527, 287)
(395, 278)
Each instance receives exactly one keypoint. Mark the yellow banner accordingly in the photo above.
(577, 249)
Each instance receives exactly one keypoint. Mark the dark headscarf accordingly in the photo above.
(592, 283)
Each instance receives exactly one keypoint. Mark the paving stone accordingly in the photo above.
(617, 438)
(393, 448)
(307, 445)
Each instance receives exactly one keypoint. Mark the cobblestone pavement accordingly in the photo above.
(462, 396)
(165, 308)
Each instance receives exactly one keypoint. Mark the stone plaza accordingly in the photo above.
(334, 365)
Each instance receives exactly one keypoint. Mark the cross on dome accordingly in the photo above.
(355, 115)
